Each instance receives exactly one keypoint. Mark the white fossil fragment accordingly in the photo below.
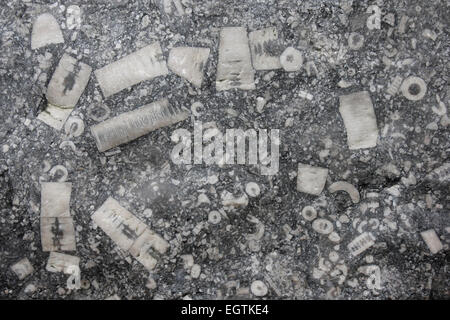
(291, 59)
(361, 226)
(374, 20)
(309, 213)
(202, 198)
(45, 31)
(311, 179)
(310, 68)
(334, 237)
(30, 288)
(260, 103)
(260, 42)
(195, 271)
(432, 240)
(149, 239)
(22, 268)
(93, 110)
(74, 127)
(441, 110)
(374, 280)
(259, 229)
(64, 90)
(73, 17)
(118, 223)
(374, 222)
(347, 187)
(188, 261)
(195, 108)
(214, 217)
(259, 288)
(360, 121)
(144, 64)
(55, 199)
(61, 170)
(344, 84)
(355, 41)
(389, 19)
(188, 63)
(74, 281)
(129, 233)
(440, 174)
(402, 24)
(413, 88)
(305, 95)
(145, 257)
(234, 68)
(322, 226)
(57, 234)
(427, 33)
(395, 85)
(252, 189)
(71, 145)
(60, 262)
(229, 201)
(361, 243)
(134, 124)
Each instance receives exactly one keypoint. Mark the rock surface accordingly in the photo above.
(287, 238)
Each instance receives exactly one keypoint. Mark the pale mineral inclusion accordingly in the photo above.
(134, 124)
(45, 31)
(129, 233)
(359, 119)
(260, 40)
(64, 90)
(234, 68)
(311, 179)
(188, 63)
(144, 64)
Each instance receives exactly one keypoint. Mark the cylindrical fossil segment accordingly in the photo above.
(134, 124)
(144, 64)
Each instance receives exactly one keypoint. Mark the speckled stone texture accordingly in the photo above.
(255, 246)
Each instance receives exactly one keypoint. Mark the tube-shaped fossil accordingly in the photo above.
(134, 124)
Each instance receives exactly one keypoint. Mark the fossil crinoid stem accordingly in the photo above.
(134, 124)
